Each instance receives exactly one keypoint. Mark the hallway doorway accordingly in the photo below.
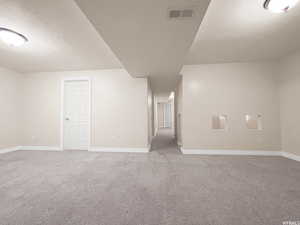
(164, 114)
(164, 142)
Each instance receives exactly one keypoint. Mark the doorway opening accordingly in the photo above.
(164, 110)
(164, 141)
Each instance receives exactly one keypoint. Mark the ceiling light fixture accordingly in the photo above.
(279, 6)
(172, 95)
(11, 37)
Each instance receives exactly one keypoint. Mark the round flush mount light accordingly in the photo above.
(12, 38)
(279, 6)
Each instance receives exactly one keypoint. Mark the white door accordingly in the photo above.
(167, 115)
(160, 115)
(164, 114)
(76, 116)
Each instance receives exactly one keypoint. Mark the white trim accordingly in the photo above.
(76, 78)
(62, 108)
(11, 149)
(240, 152)
(108, 149)
(40, 148)
(229, 152)
(291, 156)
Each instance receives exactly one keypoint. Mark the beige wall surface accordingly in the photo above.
(10, 108)
(289, 83)
(235, 90)
(30, 107)
(119, 112)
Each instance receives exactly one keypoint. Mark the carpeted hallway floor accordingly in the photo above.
(162, 187)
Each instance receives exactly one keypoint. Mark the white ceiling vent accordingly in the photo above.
(177, 14)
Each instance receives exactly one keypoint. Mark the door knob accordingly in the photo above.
(67, 118)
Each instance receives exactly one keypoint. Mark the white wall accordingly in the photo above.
(233, 89)
(30, 106)
(289, 83)
(10, 108)
(119, 108)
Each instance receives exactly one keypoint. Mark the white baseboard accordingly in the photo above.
(133, 150)
(11, 149)
(40, 148)
(93, 149)
(240, 152)
(291, 156)
(229, 152)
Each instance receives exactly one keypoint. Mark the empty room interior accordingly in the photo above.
(150, 112)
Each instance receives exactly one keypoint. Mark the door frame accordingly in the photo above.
(62, 108)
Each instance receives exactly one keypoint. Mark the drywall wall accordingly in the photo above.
(289, 89)
(119, 108)
(235, 90)
(10, 108)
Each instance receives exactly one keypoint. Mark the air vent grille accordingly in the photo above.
(176, 14)
(187, 13)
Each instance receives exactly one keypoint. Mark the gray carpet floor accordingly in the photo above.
(162, 187)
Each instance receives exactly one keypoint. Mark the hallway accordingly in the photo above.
(165, 143)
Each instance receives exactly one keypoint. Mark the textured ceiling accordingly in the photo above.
(242, 30)
(96, 34)
(140, 33)
(60, 38)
